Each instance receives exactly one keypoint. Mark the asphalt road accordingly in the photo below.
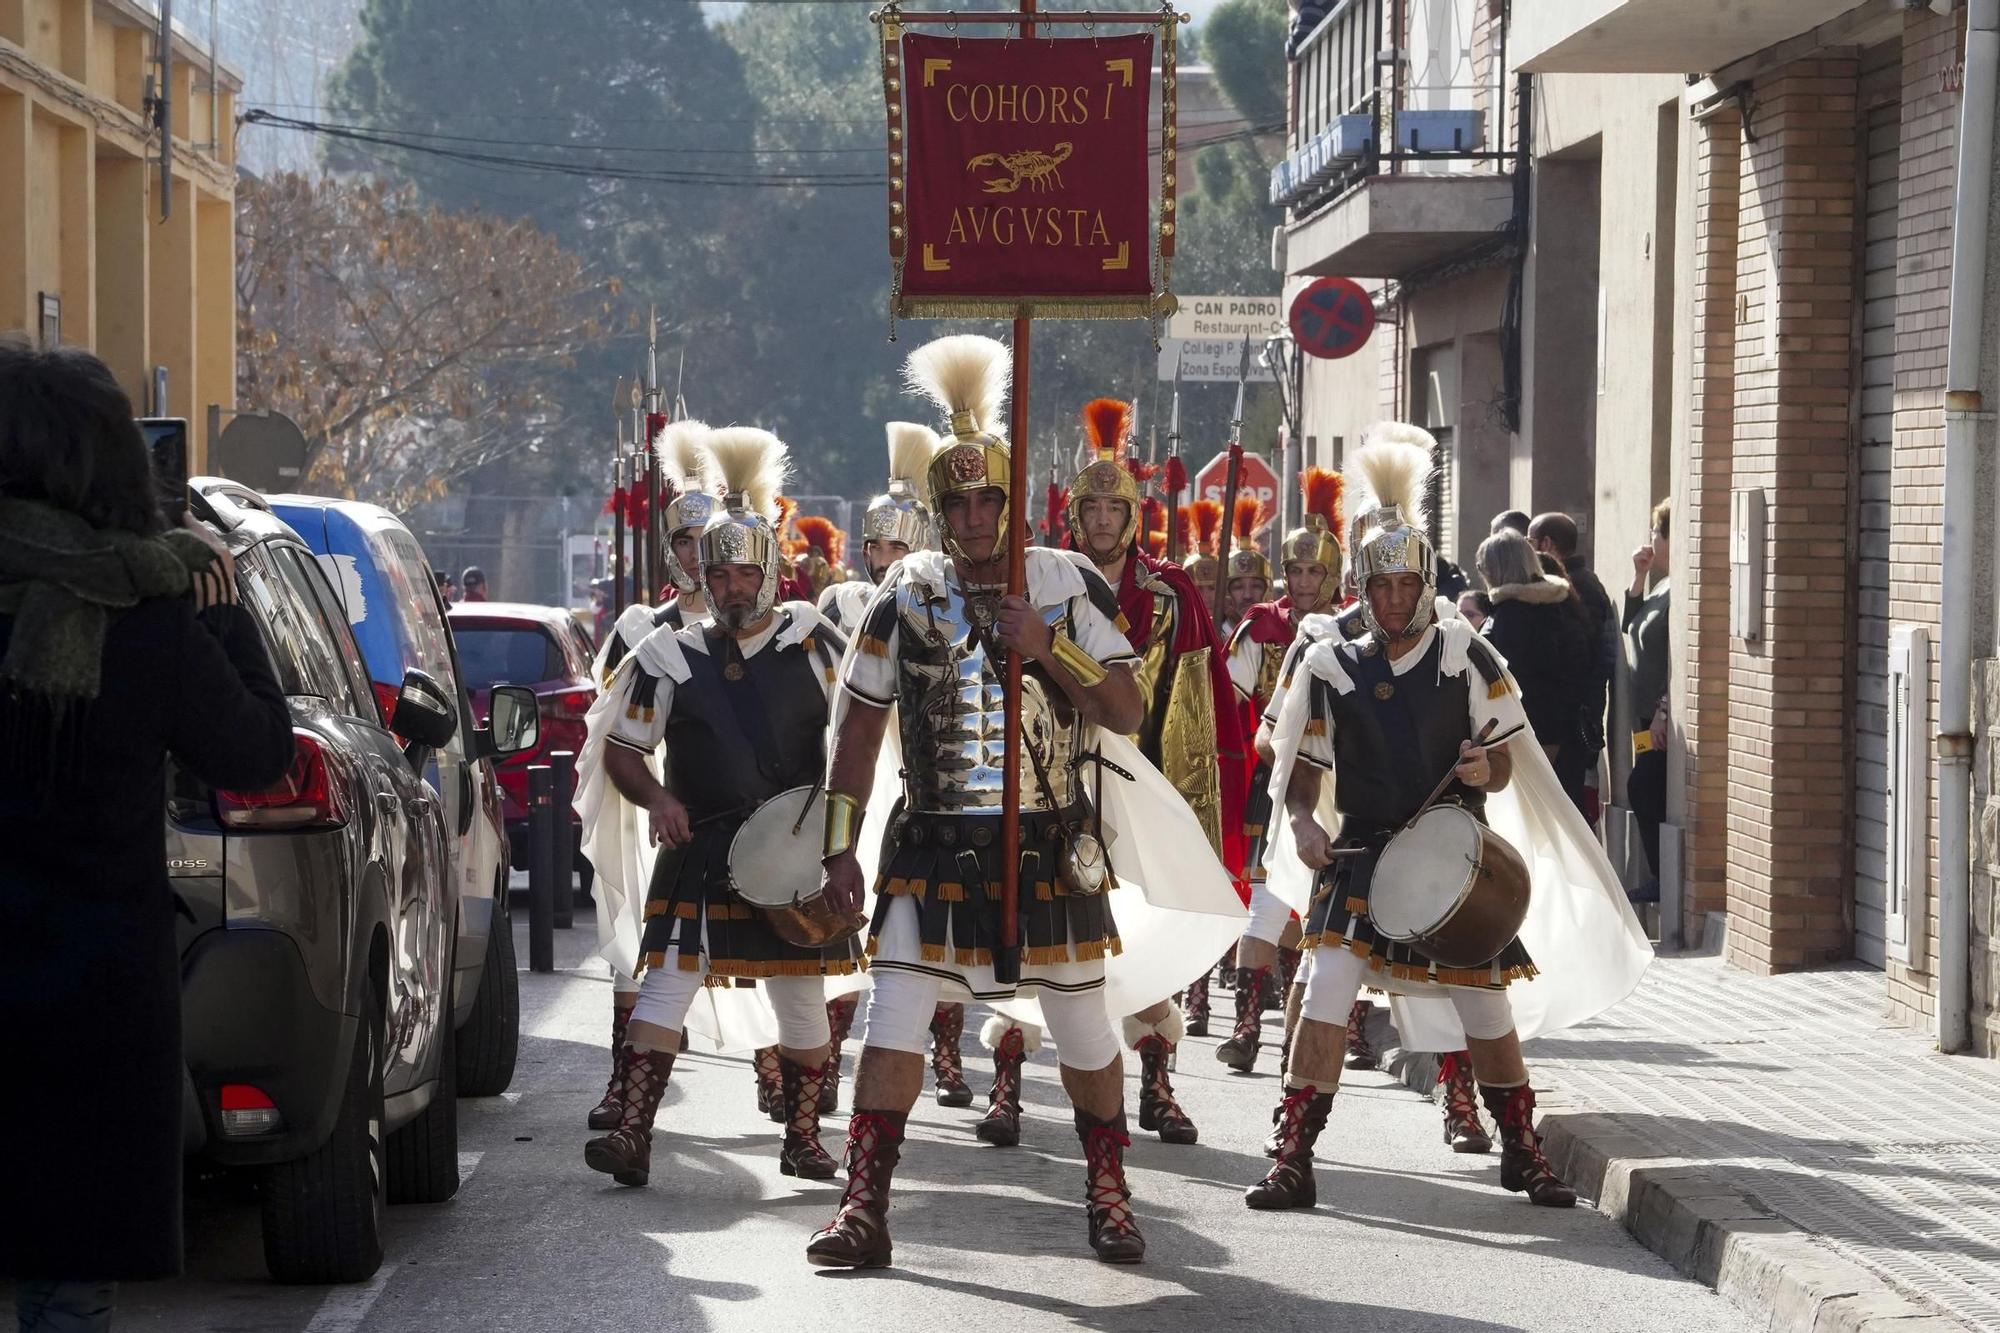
(1406, 1237)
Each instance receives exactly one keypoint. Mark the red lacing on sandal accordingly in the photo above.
(644, 1083)
(1294, 1117)
(1007, 1059)
(1154, 1052)
(840, 1019)
(1105, 1192)
(947, 1031)
(874, 1144)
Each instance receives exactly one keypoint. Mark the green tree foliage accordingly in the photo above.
(778, 297)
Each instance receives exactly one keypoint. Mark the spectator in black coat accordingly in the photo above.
(1538, 629)
(120, 644)
(1555, 535)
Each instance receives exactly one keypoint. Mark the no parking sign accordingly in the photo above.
(1332, 318)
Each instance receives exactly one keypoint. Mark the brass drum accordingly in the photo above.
(774, 866)
(1451, 888)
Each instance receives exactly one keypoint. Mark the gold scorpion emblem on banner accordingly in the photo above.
(1038, 169)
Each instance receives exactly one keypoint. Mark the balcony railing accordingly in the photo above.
(1365, 103)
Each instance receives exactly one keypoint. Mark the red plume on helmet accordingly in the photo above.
(1323, 490)
(822, 535)
(1249, 518)
(1107, 421)
(1205, 518)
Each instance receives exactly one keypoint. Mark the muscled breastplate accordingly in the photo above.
(951, 708)
(1395, 735)
(733, 743)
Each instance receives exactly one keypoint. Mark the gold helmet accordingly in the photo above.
(901, 515)
(1318, 540)
(1246, 558)
(751, 465)
(965, 376)
(1204, 521)
(1395, 467)
(1108, 422)
(824, 544)
(685, 465)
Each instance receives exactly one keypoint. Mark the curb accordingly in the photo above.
(1786, 1280)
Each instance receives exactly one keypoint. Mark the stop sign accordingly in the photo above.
(1255, 479)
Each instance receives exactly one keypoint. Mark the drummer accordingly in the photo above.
(742, 706)
(1388, 714)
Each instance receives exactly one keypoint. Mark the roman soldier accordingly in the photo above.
(1366, 730)
(1312, 567)
(933, 645)
(1249, 580)
(742, 706)
(896, 523)
(818, 557)
(1191, 732)
(687, 468)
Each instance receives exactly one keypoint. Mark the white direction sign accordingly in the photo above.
(1208, 360)
(1227, 317)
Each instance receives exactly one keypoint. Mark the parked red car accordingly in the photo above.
(542, 647)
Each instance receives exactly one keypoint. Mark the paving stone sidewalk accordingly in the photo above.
(1775, 1137)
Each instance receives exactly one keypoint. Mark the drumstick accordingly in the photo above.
(1485, 739)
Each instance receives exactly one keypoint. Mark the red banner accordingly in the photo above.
(1028, 179)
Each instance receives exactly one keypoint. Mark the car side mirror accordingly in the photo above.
(514, 722)
(424, 713)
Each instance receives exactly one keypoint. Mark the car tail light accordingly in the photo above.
(385, 699)
(307, 797)
(563, 713)
(248, 1110)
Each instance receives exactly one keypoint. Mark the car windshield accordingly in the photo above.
(508, 655)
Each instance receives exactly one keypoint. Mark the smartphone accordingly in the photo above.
(167, 445)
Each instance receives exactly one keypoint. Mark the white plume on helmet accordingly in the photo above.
(965, 372)
(1395, 467)
(911, 446)
(683, 455)
(751, 468)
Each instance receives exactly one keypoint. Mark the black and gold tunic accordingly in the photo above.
(742, 721)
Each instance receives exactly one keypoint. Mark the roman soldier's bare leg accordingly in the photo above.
(1503, 1085)
(886, 1083)
(1155, 1033)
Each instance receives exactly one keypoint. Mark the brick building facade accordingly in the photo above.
(1762, 208)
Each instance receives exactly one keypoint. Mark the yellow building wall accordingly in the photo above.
(80, 214)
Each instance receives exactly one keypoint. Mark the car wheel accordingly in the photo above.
(491, 1038)
(423, 1155)
(323, 1212)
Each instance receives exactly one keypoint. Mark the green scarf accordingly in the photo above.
(60, 579)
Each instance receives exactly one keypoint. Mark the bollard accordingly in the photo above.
(563, 838)
(541, 868)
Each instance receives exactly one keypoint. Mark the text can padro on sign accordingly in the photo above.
(1028, 179)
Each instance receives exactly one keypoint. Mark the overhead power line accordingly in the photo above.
(473, 152)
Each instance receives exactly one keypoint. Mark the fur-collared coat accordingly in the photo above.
(1540, 630)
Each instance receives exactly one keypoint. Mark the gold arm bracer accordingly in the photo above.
(843, 824)
(1087, 669)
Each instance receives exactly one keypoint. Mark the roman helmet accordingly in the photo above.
(686, 466)
(1395, 467)
(1318, 541)
(751, 467)
(1204, 522)
(1107, 424)
(965, 375)
(824, 544)
(901, 515)
(1246, 558)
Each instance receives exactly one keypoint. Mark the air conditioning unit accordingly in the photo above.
(1440, 131)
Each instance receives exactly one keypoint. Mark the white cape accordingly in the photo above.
(618, 842)
(1176, 907)
(1589, 948)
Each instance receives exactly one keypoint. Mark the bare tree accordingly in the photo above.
(411, 345)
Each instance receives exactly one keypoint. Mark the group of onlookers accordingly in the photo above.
(1552, 619)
